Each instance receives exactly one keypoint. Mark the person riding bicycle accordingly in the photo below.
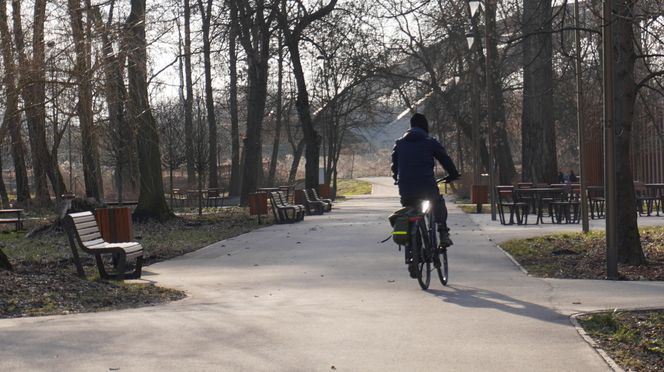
(412, 169)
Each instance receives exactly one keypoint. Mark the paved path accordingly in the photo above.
(324, 295)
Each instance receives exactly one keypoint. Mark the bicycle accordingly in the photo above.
(423, 239)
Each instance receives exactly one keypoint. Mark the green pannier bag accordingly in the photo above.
(400, 221)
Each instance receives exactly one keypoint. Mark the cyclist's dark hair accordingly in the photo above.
(419, 121)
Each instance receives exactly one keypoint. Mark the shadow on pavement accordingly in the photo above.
(481, 298)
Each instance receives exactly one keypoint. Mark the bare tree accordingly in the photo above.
(206, 17)
(118, 129)
(151, 200)
(236, 174)
(189, 98)
(253, 26)
(538, 129)
(11, 120)
(171, 128)
(83, 76)
(278, 114)
(293, 23)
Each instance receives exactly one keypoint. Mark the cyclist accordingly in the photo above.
(412, 169)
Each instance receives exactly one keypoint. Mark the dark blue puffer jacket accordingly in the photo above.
(413, 160)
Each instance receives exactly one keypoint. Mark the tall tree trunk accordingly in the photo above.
(151, 201)
(253, 154)
(189, 98)
(83, 76)
(10, 119)
(213, 175)
(116, 94)
(34, 93)
(624, 87)
(297, 156)
(277, 128)
(23, 198)
(502, 151)
(538, 129)
(236, 174)
(254, 31)
(312, 139)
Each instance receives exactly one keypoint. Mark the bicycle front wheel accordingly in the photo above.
(421, 255)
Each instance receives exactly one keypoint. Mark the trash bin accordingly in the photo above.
(479, 194)
(115, 224)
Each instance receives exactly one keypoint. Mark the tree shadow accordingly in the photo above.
(482, 298)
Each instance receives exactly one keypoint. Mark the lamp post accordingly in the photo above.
(579, 119)
(489, 31)
(475, 117)
(609, 141)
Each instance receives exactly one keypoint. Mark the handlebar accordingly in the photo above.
(448, 179)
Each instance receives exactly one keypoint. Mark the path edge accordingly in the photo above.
(591, 342)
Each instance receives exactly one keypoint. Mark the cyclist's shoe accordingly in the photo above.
(445, 238)
(412, 269)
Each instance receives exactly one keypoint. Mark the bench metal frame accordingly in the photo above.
(83, 231)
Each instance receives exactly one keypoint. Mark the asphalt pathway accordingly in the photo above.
(324, 295)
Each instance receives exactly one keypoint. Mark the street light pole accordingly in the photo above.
(609, 142)
(579, 119)
(475, 117)
(489, 32)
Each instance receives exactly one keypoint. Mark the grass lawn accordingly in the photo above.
(348, 187)
(634, 339)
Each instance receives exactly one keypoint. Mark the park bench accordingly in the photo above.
(311, 205)
(83, 231)
(283, 211)
(314, 196)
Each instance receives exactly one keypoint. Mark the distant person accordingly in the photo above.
(572, 177)
(561, 177)
(412, 169)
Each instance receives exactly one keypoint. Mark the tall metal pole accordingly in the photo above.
(489, 32)
(579, 120)
(475, 103)
(609, 141)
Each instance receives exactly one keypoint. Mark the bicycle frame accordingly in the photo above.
(430, 223)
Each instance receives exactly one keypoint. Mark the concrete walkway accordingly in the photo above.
(324, 295)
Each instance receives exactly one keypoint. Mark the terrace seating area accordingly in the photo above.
(526, 203)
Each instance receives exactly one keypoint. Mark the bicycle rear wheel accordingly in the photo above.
(421, 255)
(441, 264)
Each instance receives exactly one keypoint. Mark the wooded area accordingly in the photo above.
(127, 100)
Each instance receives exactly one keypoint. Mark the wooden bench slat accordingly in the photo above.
(87, 230)
(95, 242)
(83, 225)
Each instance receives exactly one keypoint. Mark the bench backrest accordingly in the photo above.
(84, 227)
(275, 197)
(283, 199)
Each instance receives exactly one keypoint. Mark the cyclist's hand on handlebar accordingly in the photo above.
(450, 178)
